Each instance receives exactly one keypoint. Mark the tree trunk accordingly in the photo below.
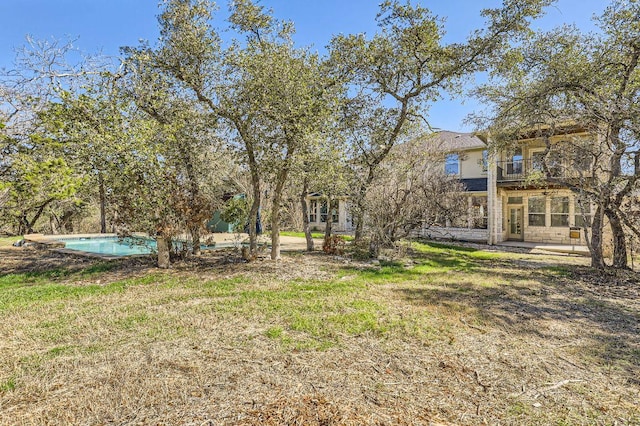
(358, 219)
(163, 243)
(275, 235)
(253, 219)
(52, 224)
(66, 222)
(255, 206)
(597, 258)
(328, 227)
(281, 179)
(620, 259)
(194, 189)
(195, 239)
(23, 224)
(32, 222)
(305, 215)
(275, 215)
(103, 216)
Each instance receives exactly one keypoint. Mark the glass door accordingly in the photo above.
(515, 223)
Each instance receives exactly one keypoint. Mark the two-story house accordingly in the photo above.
(509, 196)
(526, 206)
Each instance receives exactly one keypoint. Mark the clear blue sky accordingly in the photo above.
(105, 25)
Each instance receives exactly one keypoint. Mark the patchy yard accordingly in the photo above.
(451, 335)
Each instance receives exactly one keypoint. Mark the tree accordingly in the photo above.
(35, 169)
(398, 73)
(190, 145)
(562, 80)
(411, 192)
(269, 95)
(322, 168)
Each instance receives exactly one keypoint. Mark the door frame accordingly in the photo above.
(519, 218)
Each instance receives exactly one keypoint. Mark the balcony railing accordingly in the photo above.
(522, 169)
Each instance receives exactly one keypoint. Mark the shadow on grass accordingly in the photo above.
(539, 303)
(28, 267)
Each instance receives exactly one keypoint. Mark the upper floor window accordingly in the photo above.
(553, 161)
(452, 164)
(537, 161)
(582, 160)
(484, 162)
(514, 163)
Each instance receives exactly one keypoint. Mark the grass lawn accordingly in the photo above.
(8, 241)
(448, 335)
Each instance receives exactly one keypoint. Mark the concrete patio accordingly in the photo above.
(545, 247)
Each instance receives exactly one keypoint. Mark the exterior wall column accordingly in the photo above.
(493, 206)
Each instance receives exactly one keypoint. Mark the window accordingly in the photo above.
(514, 200)
(479, 212)
(537, 211)
(313, 211)
(484, 162)
(334, 212)
(582, 211)
(560, 211)
(537, 161)
(452, 164)
(514, 164)
(323, 211)
(554, 164)
(581, 160)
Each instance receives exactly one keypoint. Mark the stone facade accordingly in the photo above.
(562, 231)
(456, 234)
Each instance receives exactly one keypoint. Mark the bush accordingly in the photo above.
(334, 244)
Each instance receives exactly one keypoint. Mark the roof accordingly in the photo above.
(447, 141)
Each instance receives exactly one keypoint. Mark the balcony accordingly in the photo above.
(519, 170)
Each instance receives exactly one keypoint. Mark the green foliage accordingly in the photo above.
(301, 234)
(236, 211)
(399, 72)
(8, 385)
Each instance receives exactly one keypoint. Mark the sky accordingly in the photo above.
(106, 25)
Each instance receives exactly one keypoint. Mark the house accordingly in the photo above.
(320, 212)
(526, 206)
(509, 197)
(466, 156)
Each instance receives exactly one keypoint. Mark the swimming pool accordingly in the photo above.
(111, 246)
(114, 246)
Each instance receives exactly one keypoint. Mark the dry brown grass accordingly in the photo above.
(451, 337)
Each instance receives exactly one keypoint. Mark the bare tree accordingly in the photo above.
(411, 192)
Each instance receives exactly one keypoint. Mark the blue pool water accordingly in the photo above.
(113, 246)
